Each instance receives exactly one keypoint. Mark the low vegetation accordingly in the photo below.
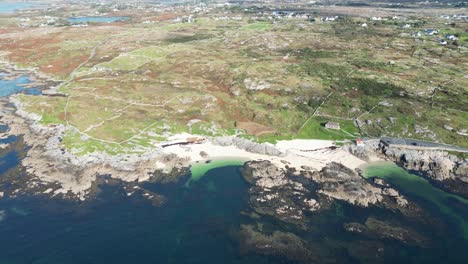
(258, 78)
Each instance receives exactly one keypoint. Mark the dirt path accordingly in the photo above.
(315, 111)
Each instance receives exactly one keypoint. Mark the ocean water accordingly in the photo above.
(201, 222)
(9, 87)
(80, 20)
(196, 225)
(11, 7)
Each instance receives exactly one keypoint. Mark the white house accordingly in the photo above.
(451, 37)
(333, 125)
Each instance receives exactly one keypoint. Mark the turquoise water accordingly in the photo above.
(453, 206)
(200, 169)
(79, 20)
(10, 7)
(9, 87)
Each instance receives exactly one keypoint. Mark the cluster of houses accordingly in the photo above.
(455, 17)
(432, 32)
(40, 22)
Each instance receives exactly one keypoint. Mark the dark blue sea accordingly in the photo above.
(196, 225)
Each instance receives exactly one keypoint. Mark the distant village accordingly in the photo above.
(225, 12)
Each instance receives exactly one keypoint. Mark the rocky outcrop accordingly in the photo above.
(342, 183)
(365, 152)
(439, 165)
(245, 144)
(290, 196)
(273, 192)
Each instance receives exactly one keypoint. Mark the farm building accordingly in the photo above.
(332, 125)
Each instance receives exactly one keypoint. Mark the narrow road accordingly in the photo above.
(315, 111)
(421, 144)
(73, 73)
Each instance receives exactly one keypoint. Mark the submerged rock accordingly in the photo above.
(278, 244)
(382, 229)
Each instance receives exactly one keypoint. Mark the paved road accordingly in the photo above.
(421, 143)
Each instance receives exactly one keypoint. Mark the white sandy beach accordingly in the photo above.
(311, 153)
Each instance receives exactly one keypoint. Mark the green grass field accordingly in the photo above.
(149, 82)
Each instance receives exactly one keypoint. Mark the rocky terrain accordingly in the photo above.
(48, 169)
(302, 198)
(291, 195)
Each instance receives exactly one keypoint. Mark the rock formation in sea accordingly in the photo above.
(290, 195)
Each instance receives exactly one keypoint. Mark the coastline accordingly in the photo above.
(47, 162)
(75, 176)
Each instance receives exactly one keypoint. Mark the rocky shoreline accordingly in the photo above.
(443, 169)
(278, 187)
(72, 176)
(300, 198)
(47, 161)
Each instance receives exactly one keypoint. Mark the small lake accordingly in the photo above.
(16, 85)
(97, 19)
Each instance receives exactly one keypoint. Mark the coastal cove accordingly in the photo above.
(200, 169)
(453, 207)
(206, 222)
(238, 132)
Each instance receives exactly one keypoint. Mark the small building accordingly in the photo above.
(333, 125)
(431, 32)
(451, 37)
(359, 142)
(195, 140)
